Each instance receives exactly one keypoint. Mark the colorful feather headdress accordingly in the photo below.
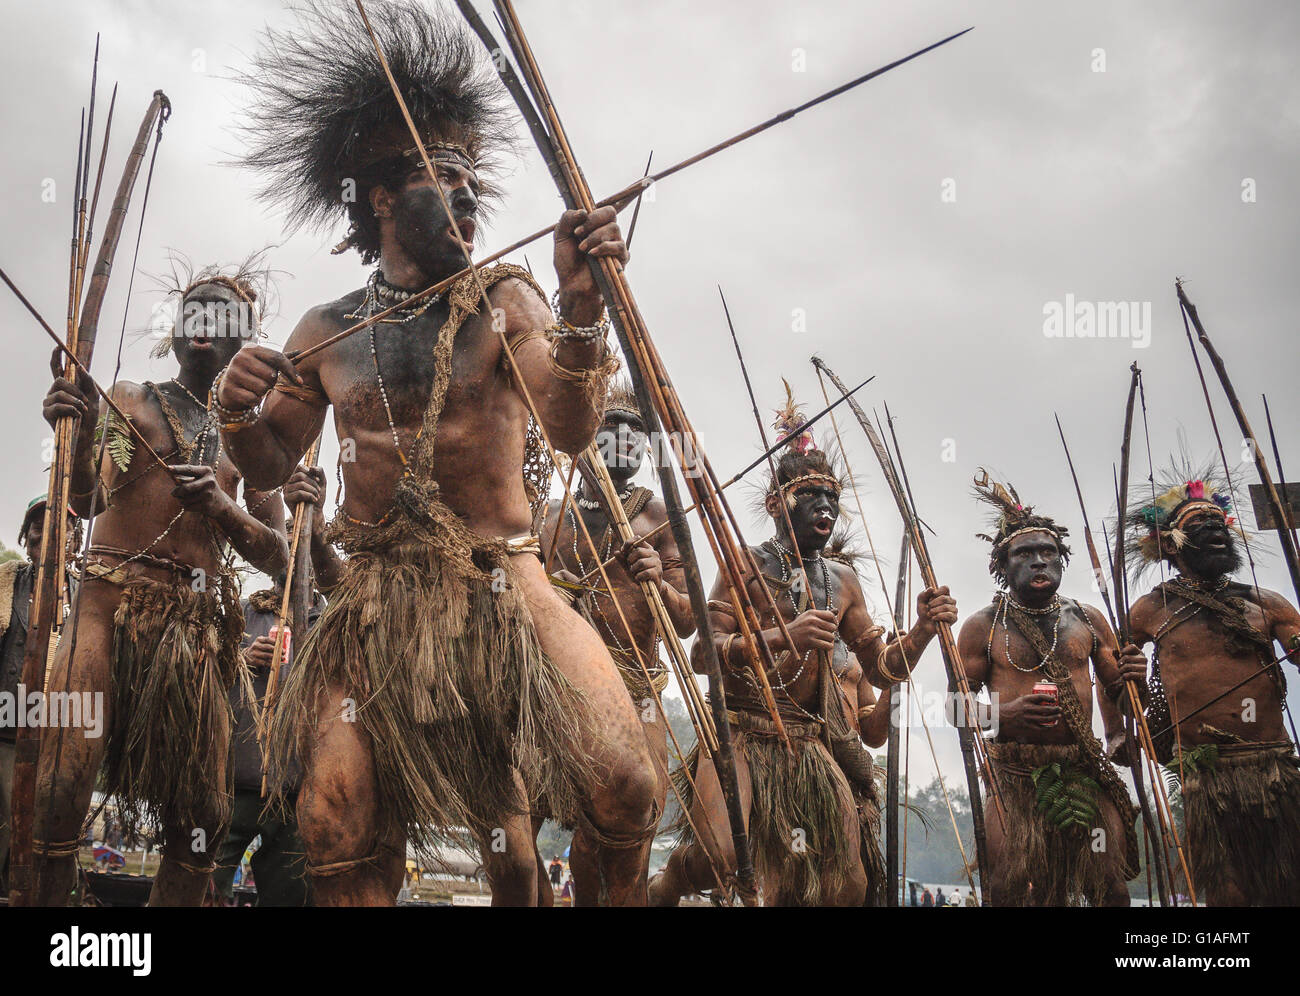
(789, 424)
(803, 461)
(1011, 518)
(1180, 493)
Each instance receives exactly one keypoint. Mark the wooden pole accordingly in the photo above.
(895, 738)
(1124, 632)
(45, 591)
(1289, 552)
(295, 601)
(971, 761)
(1163, 870)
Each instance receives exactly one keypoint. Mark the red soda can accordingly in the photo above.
(288, 642)
(1048, 688)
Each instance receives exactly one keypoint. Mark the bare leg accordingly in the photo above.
(510, 859)
(545, 894)
(620, 800)
(688, 869)
(585, 855)
(189, 852)
(339, 813)
(63, 797)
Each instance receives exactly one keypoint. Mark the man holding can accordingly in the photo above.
(1069, 823)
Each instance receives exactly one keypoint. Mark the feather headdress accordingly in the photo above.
(1010, 518)
(803, 462)
(251, 281)
(324, 127)
(789, 424)
(621, 398)
(1181, 491)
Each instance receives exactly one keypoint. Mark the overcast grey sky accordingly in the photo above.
(1096, 150)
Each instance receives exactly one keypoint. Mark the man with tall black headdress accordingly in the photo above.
(446, 686)
(1238, 768)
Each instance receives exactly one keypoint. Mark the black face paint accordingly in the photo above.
(1211, 550)
(1033, 567)
(815, 512)
(214, 322)
(622, 443)
(422, 226)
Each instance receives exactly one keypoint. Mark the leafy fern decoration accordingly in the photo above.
(121, 447)
(1066, 796)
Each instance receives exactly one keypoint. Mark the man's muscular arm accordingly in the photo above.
(569, 416)
(724, 625)
(1114, 670)
(886, 663)
(77, 399)
(567, 412)
(1284, 622)
(660, 563)
(308, 487)
(259, 537)
(874, 726)
(267, 451)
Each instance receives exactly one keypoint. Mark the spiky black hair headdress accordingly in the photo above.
(324, 126)
(251, 280)
(1012, 518)
(1180, 492)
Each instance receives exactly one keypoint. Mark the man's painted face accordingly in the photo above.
(213, 323)
(622, 444)
(35, 537)
(1211, 550)
(815, 512)
(1033, 566)
(422, 226)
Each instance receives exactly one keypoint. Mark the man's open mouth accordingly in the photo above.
(467, 228)
(823, 523)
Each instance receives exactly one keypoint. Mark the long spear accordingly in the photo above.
(294, 603)
(621, 199)
(1124, 629)
(27, 746)
(1284, 488)
(895, 737)
(744, 866)
(1279, 510)
(947, 643)
(1162, 864)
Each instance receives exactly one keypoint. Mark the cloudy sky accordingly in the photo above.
(918, 229)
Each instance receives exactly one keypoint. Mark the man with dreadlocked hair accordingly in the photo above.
(447, 686)
(160, 622)
(799, 802)
(622, 444)
(1237, 767)
(1069, 825)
